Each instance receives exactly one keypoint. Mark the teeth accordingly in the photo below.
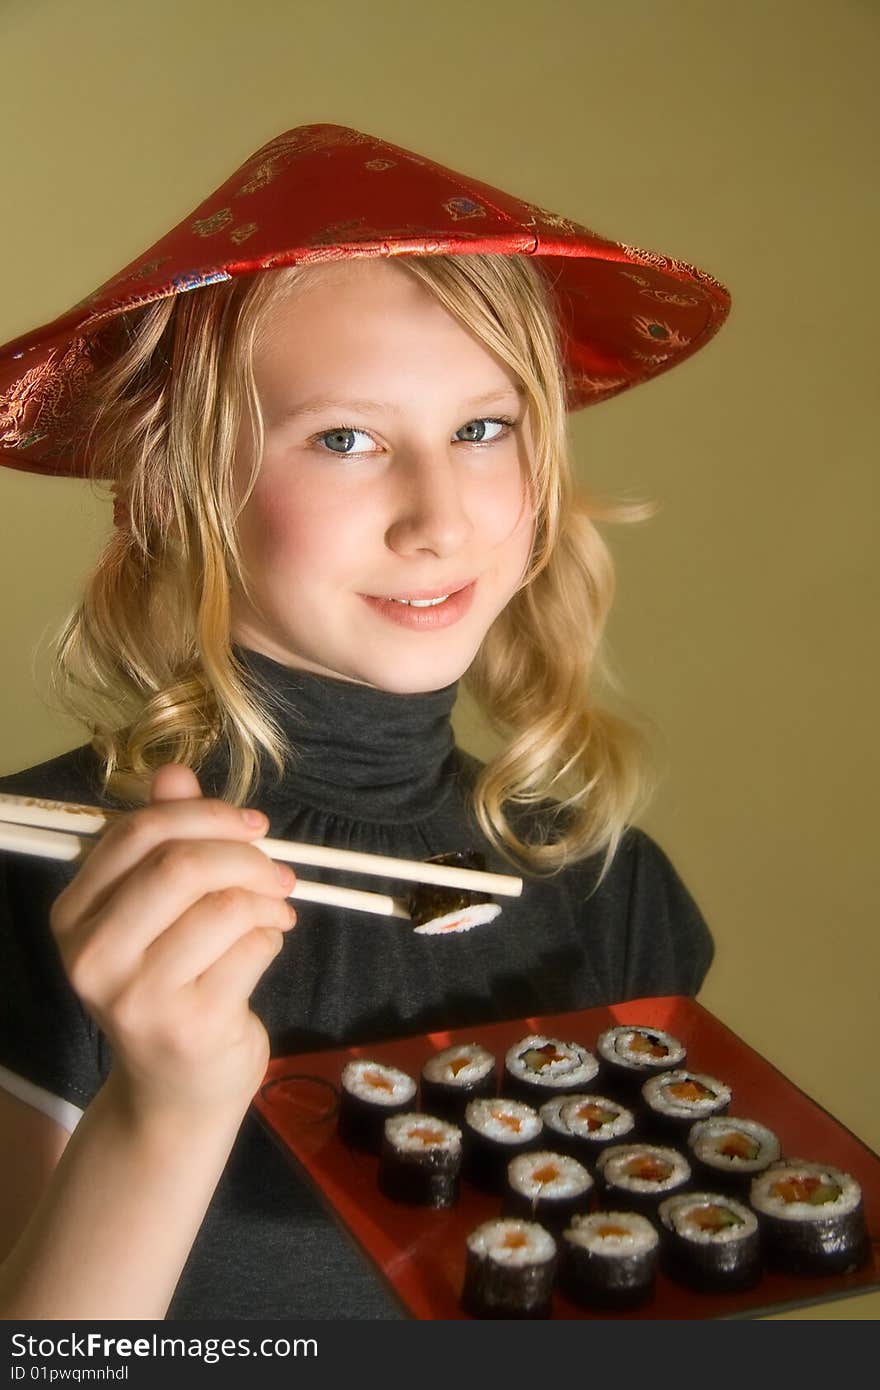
(421, 602)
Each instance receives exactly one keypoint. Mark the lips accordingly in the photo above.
(420, 614)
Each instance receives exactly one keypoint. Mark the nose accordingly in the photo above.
(430, 514)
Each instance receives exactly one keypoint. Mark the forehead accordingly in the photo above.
(369, 318)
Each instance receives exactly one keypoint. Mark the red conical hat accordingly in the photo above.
(325, 192)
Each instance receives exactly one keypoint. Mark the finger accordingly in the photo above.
(132, 837)
(109, 945)
(233, 978)
(174, 782)
(205, 932)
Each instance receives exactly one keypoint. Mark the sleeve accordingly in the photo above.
(49, 1045)
(669, 947)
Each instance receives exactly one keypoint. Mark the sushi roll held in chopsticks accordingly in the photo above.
(510, 1270)
(420, 1160)
(369, 1094)
(710, 1241)
(609, 1259)
(812, 1217)
(436, 910)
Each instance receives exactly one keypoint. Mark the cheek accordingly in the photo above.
(283, 531)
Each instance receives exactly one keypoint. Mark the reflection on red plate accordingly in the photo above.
(421, 1254)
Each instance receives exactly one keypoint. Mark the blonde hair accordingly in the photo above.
(150, 639)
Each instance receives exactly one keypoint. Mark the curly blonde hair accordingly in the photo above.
(150, 640)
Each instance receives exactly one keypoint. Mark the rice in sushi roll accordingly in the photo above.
(538, 1066)
(510, 1270)
(730, 1152)
(547, 1187)
(609, 1259)
(370, 1092)
(671, 1103)
(710, 1241)
(436, 910)
(812, 1217)
(420, 1160)
(495, 1131)
(454, 1076)
(631, 1053)
(639, 1176)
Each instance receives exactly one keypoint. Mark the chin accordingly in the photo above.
(417, 677)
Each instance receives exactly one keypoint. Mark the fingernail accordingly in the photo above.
(255, 819)
(287, 876)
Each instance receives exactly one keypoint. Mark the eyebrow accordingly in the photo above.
(318, 405)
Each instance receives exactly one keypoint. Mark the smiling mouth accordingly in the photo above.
(427, 599)
(421, 602)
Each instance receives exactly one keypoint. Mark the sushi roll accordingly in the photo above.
(420, 1160)
(454, 1076)
(547, 1187)
(510, 1270)
(671, 1103)
(812, 1217)
(495, 1131)
(595, 1122)
(369, 1094)
(639, 1176)
(631, 1053)
(710, 1241)
(436, 910)
(728, 1153)
(609, 1259)
(537, 1067)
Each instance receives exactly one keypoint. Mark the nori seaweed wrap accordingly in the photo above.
(436, 909)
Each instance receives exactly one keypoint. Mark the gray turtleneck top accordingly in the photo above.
(373, 771)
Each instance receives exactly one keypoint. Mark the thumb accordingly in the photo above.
(174, 782)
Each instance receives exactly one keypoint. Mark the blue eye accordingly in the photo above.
(340, 441)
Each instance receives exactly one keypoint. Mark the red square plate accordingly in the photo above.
(421, 1254)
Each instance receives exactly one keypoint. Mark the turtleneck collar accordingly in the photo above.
(358, 751)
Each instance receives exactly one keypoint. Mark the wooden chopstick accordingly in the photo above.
(82, 821)
(57, 844)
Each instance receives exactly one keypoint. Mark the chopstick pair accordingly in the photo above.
(63, 830)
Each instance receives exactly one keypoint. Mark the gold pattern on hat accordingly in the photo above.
(208, 226)
(666, 337)
(240, 234)
(461, 208)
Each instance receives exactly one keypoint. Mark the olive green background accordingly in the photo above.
(741, 138)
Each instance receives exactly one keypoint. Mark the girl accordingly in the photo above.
(342, 485)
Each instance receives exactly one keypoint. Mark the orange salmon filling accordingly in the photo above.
(650, 1047)
(378, 1081)
(712, 1218)
(549, 1173)
(689, 1090)
(805, 1189)
(514, 1240)
(611, 1231)
(426, 1136)
(738, 1146)
(537, 1058)
(458, 1064)
(648, 1169)
(511, 1122)
(596, 1115)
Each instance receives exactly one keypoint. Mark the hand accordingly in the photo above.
(164, 932)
